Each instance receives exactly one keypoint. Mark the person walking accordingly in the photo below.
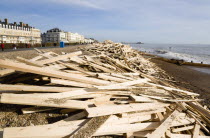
(2, 46)
(14, 46)
(55, 44)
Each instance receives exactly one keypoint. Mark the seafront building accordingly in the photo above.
(56, 35)
(18, 33)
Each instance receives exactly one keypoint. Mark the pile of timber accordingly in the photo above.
(111, 94)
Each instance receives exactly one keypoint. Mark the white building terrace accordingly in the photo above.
(56, 35)
(18, 33)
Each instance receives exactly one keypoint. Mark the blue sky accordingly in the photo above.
(149, 21)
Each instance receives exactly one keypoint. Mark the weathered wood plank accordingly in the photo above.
(182, 128)
(49, 72)
(196, 131)
(29, 62)
(70, 83)
(60, 57)
(29, 88)
(115, 109)
(46, 102)
(124, 128)
(123, 85)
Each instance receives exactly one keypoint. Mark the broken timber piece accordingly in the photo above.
(116, 109)
(60, 57)
(167, 123)
(49, 72)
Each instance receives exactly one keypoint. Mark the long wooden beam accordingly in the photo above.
(10, 87)
(46, 102)
(115, 109)
(60, 57)
(49, 72)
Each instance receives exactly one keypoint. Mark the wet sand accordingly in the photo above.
(188, 78)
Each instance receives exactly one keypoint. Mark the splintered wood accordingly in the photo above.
(112, 88)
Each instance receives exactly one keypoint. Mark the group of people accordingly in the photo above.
(14, 46)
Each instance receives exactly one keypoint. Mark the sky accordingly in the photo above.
(148, 21)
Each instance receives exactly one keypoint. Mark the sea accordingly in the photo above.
(196, 53)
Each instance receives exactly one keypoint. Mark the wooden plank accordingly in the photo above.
(46, 102)
(174, 89)
(124, 128)
(200, 109)
(60, 57)
(196, 131)
(29, 88)
(110, 78)
(123, 85)
(147, 112)
(115, 109)
(36, 58)
(67, 128)
(106, 70)
(74, 67)
(160, 131)
(70, 83)
(160, 116)
(78, 60)
(29, 62)
(59, 130)
(51, 73)
(182, 128)
(128, 119)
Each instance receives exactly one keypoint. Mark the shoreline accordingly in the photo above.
(187, 78)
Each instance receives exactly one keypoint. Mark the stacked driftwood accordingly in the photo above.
(113, 89)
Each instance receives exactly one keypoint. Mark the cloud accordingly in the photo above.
(82, 3)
